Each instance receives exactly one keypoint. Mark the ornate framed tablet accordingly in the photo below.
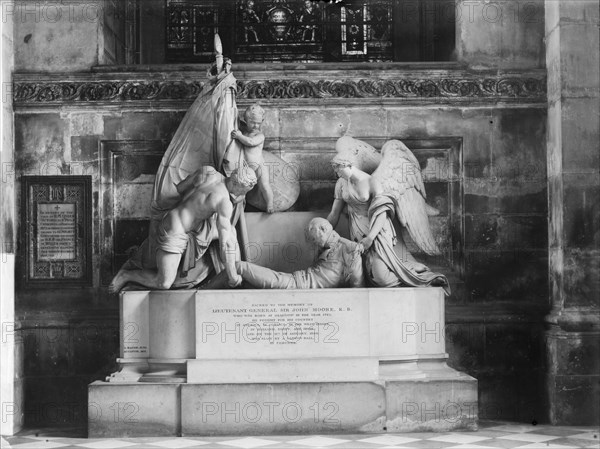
(57, 231)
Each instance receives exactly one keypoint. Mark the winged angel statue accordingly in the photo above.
(393, 192)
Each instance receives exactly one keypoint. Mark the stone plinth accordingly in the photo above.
(289, 361)
(133, 410)
(157, 335)
(264, 408)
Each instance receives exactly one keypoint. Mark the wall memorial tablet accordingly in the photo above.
(57, 230)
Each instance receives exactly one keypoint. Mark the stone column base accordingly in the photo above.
(573, 379)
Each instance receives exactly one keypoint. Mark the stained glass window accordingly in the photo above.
(181, 31)
(301, 30)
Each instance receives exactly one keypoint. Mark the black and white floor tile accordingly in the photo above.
(490, 435)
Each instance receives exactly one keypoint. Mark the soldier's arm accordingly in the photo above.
(227, 240)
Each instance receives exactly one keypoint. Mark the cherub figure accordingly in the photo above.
(253, 140)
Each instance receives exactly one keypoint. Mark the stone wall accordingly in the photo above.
(495, 119)
(55, 36)
(500, 34)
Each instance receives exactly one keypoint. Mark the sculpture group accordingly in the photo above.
(199, 197)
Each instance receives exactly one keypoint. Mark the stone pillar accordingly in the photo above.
(573, 334)
(10, 356)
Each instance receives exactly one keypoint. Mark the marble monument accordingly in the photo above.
(301, 347)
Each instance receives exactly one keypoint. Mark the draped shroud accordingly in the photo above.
(203, 138)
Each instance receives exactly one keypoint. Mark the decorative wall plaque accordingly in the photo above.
(56, 224)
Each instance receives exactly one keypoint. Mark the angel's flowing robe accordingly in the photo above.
(388, 263)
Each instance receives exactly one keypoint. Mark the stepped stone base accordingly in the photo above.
(147, 409)
(262, 362)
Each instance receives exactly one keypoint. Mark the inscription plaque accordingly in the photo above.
(57, 231)
(271, 327)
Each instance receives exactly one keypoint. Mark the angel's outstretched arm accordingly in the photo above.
(374, 231)
(336, 211)
(356, 278)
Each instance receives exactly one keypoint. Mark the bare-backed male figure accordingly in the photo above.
(174, 254)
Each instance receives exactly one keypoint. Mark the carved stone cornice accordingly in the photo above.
(103, 91)
(434, 86)
(399, 88)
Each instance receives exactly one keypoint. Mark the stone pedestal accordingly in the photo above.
(289, 361)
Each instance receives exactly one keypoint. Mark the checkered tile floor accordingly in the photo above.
(490, 435)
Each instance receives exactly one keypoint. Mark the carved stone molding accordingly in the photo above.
(446, 86)
(401, 88)
(104, 91)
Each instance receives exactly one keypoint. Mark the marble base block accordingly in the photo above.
(409, 405)
(133, 410)
(254, 409)
(431, 405)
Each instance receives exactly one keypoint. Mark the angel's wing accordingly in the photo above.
(399, 175)
(363, 156)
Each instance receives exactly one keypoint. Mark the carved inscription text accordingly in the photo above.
(56, 232)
